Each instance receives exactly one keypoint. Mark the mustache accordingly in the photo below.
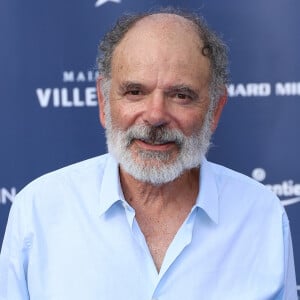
(154, 135)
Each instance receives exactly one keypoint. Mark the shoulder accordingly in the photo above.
(60, 184)
(227, 177)
(241, 190)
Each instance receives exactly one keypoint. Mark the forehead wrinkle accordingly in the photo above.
(169, 36)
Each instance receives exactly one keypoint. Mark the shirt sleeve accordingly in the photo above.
(14, 256)
(290, 286)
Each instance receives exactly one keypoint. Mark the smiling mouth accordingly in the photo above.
(146, 144)
(151, 142)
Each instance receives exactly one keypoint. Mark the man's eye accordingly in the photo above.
(182, 96)
(134, 92)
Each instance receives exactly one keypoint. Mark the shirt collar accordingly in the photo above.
(111, 191)
(208, 197)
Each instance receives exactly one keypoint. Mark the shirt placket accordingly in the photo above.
(181, 240)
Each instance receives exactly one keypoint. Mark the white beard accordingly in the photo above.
(157, 167)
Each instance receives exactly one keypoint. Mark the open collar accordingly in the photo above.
(208, 197)
(111, 191)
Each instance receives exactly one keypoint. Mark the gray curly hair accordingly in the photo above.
(214, 48)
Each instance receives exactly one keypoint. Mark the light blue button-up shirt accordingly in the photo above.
(71, 235)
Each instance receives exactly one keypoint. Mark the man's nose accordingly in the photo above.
(157, 110)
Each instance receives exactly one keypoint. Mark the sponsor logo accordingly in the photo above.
(264, 89)
(7, 195)
(77, 89)
(75, 92)
(101, 2)
(249, 90)
(287, 190)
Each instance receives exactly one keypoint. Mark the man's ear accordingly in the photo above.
(218, 110)
(101, 101)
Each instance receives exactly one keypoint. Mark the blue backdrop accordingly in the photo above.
(48, 109)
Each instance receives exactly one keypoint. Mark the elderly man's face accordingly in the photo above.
(156, 118)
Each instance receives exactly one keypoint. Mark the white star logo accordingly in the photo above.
(101, 2)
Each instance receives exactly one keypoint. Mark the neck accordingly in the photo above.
(182, 191)
(161, 210)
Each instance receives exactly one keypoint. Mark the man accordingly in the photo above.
(152, 219)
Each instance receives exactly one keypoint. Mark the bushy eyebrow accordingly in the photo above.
(184, 89)
(129, 85)
(180, 88)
